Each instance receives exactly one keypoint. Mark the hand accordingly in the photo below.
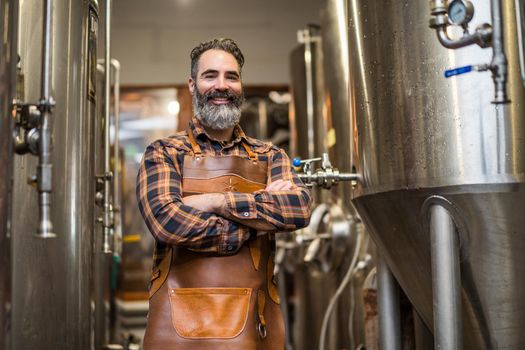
(280, 185)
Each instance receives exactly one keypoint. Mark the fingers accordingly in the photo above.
(280, 185)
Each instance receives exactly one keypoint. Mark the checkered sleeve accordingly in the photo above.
(169, 220)
(285, 210)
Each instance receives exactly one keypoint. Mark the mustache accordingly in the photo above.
(221, 94)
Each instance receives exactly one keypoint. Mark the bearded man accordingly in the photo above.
(214, 198)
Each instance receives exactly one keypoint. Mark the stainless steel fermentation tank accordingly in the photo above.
(309, 283)
(426, 142)
(58, 286)
(322, 254)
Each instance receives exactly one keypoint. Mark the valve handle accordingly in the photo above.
(457, 71)
(296, 162)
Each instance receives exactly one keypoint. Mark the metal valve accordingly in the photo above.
(326, 177)
(459, 13)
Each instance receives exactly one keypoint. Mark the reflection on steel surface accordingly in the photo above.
(420, 135)
(53, 282)
(7, 93)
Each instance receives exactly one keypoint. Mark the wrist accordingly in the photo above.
(219, 203)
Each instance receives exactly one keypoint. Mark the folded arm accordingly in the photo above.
(217, 203)
(173, 222)
(284, 205)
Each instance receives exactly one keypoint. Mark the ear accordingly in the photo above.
(191, 85)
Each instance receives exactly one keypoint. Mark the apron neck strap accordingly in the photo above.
(248, 149)
(198, 152)
(194, 145)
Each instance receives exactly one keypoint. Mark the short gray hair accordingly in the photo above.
(227, 45)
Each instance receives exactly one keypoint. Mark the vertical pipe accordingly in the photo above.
(116, 156)
(499, 59)
(389, 312)
(309, 91)
(46, 49)
(446, 285)
(520, 19)
(342, 24)
(44, 170)
(107, 219)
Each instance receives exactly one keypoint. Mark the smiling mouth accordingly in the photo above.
(220, 100)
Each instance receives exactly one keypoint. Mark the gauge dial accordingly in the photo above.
(460, 12)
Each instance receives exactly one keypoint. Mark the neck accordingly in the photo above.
(220, 135)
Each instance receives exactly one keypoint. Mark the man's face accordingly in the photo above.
(217, 90)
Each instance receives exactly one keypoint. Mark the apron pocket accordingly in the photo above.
(200, 313)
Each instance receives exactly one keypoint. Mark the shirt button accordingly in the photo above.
(246, 213)
(230, 247)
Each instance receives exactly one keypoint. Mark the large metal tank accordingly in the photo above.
(53, 278)
(312, 287)
(326, 247)
(420, 135)
(334, 35)
(8, 59)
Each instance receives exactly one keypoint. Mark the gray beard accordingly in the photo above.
(216, 117)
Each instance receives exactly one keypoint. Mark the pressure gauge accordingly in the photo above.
(460, 12)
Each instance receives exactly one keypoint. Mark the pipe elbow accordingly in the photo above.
(481, 37)
(444, 39)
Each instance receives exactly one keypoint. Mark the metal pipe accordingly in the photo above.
(446, 284)
(342, 23)
(309, 91)
(116, 156)
(320, 177)
(481, 37)
(107, 217)
(499, 59)
(520, 19)
(439, 21)
(348, 177)
(389, 312)
(46, 49)
(44, 170)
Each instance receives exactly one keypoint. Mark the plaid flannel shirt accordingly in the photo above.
(171, 222)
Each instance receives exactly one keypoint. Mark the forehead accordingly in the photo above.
(217, 60)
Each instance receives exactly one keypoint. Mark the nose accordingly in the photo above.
(222, 84)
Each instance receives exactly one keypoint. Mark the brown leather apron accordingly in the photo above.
(201, 301)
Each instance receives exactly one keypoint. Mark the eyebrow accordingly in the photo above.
(214, 71)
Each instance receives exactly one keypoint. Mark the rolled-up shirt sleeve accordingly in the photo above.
(285, 210)
(169, 220)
